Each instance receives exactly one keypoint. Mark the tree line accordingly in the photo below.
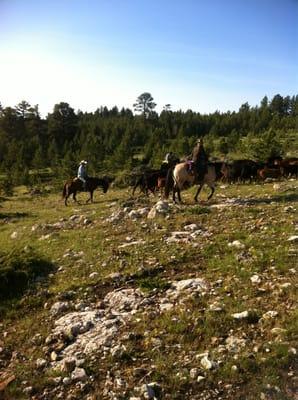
(116, 140)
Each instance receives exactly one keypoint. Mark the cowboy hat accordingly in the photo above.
(84, 162)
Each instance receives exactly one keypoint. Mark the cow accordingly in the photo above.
(267, 172)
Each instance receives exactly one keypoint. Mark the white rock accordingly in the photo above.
(66, 381)
(40, 363)
(53, 356)
(59, 307)
(28, 390)
(237, 244)
(93, 275)
(206, 363)
(79, 375)
(293, 238)
(270, 314)
(143, 211)
(285, 285)
(278, 331)
(241, 315)
(134, 214)
(134, 243)
(14, 235)
(193, 373)
(191, 227)
(234, 344)
(149, 390)
(68, 364)
(292, 350)
(255, 279)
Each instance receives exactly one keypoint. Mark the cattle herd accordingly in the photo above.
(237, 171)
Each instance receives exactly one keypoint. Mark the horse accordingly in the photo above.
(147, 182)
(183, 177)
(76, 185)
(154, 180)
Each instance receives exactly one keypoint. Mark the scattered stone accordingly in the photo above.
(278, 331)
(206, 363)
(191, 227)
(194, 373)
(255, 279)
(270, 314)
(237, 244)
(53, 356)
(150, 390)
(14, 235)
(242, 315)
(28, 390)
(293, 239)
(134, 243)
(40, 363)
(234, 344)
(93, 275)
(133, 214)
(68, 364)
(79, 375)
(58, 308)
(161, 208)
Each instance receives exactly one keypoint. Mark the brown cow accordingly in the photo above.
(266, 172)
(288, 166)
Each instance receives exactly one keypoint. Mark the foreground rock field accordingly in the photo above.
(152, 300)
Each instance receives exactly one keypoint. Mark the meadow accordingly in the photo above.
(242, 245)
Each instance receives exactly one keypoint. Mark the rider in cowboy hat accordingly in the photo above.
(200, 159)
(82, 172)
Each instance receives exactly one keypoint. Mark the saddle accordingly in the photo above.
(190, 167)
(76, 179)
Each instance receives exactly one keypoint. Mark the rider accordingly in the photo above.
(200, 159)
(170, 160)
(82, 172)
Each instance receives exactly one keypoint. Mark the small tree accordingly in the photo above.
(145, 104)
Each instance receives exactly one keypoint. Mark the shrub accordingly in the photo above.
(18, 268)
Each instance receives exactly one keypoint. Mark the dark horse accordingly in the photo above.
(76, 185)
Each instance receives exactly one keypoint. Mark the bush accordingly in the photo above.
(18, 268)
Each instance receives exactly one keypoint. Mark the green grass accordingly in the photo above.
(190, 328)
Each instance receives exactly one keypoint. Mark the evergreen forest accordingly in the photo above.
(118, 140)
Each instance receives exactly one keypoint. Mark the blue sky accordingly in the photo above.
(200, 55)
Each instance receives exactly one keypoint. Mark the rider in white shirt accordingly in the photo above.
(82, 172)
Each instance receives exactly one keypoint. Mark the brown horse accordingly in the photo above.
(183, 178)
(76, 185)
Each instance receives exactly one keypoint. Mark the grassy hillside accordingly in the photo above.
(234, 338)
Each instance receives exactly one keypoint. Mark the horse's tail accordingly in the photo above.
(169, 183)
(64, 193)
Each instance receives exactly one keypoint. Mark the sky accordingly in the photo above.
(203, 55)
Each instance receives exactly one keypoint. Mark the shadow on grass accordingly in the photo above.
(14, 215)
(280, 198)
(20, 269)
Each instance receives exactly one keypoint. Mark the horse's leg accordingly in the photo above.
(90, 197)
(198, 191)
(74, 196)
(134, 188)
(212, 191)
(179, 195)
(174, 194)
